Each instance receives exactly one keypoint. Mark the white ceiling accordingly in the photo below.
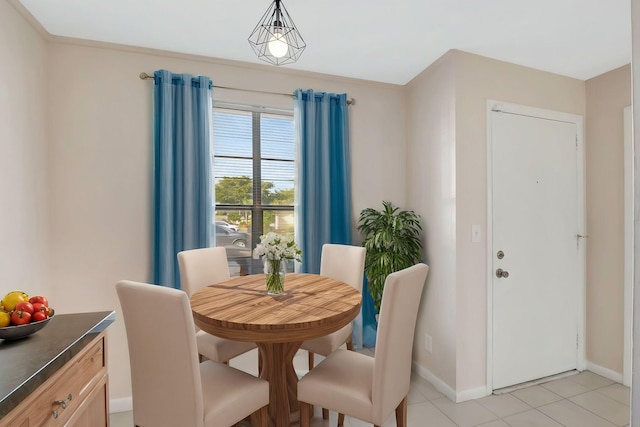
(385, 41)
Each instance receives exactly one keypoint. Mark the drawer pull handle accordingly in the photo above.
(55, 414)
(62, 403)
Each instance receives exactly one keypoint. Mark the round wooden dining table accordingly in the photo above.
(240, 309)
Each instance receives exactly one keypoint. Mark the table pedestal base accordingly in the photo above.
(278, 370)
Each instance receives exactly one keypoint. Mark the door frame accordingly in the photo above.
(628, 245)
(493, 105)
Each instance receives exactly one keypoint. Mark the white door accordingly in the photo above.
(535, 240)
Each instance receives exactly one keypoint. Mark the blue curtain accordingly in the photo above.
(323, 202)
(369, 323)
(182, 196)
(323, 199)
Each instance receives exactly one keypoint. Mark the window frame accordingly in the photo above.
(257, 208)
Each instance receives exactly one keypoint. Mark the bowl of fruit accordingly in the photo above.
(22, 315)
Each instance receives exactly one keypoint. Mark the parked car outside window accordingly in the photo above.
(226, 224)
(236, 243)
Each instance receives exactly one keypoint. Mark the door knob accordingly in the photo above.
(500, 273)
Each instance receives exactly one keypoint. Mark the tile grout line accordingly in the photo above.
(579, 406)
(599, 392)
(442, 412)
(587, 409)
(515, 413)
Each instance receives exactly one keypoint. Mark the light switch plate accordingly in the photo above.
(428, 343)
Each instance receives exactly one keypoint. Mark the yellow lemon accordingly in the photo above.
(5, 319)
(12, 299)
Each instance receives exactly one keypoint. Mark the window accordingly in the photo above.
(254, 173)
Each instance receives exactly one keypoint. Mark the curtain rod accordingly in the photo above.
(145, 76)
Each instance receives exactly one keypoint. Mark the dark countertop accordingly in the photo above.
(28, 362)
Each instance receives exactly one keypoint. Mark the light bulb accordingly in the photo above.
(278, 45)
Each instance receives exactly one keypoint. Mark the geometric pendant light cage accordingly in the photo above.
(276, 39)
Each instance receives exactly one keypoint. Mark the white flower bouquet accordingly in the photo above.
(276, 249)
(274, 246)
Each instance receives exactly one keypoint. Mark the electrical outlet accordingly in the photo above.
(428, 343)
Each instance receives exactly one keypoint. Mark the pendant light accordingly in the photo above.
(276, 39)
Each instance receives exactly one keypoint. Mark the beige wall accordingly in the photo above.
(476, 80)
(100, 159)
(606, 95)
(431, 191)
(23, 151)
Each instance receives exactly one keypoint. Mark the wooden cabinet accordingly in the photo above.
(75, 396)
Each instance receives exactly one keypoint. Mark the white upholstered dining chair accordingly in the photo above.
(346, 264)
(170, 387)
(200, 268)
(370, 388)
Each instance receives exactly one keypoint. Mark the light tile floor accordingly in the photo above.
(581, 400)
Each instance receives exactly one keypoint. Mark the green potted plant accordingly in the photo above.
(392, 240)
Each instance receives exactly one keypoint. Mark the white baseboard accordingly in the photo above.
(440, 385)
(123, 404)
(605, 372)
(472, 393)
(478, 392)
(446, 389)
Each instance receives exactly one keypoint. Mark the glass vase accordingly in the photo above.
(274, 270)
